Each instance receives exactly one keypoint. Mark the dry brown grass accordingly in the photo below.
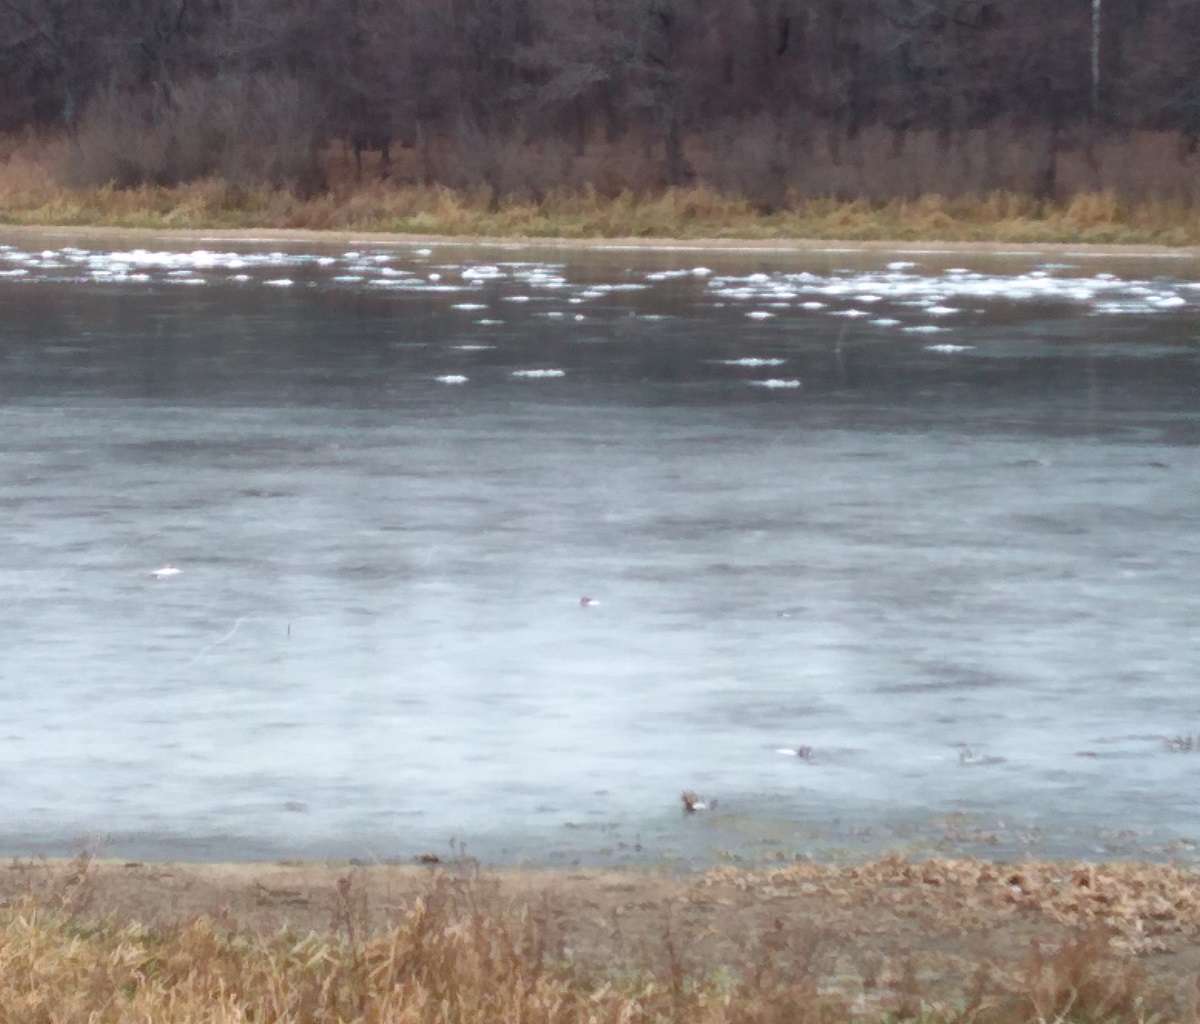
(31, 194)
(461, 953)
(467, 948)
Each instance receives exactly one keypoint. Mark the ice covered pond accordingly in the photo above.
(933, 516)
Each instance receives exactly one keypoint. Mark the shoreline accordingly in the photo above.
(1147, 908)
(867, 936)
(733, 246)
(1137, 900)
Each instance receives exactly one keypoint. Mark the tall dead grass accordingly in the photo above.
(461, 953)
(32, 194)
(464, 952)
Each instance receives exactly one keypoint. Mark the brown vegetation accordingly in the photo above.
(31, 194)
(939, 941)
(762, 118)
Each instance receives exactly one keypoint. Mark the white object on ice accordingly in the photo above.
(775, 383)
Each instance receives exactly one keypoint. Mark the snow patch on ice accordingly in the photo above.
(776, 384)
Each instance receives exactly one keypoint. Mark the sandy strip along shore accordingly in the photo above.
(27, 234)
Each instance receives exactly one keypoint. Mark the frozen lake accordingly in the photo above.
(934, 516)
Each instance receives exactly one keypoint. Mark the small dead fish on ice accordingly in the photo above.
(693, 803)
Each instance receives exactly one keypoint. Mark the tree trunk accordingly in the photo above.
(1046, 185)
(677, 170)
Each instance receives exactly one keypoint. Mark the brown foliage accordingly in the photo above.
(768, 101)
(31, 192)
(1082, 980)
(465, 949)
(248, 131)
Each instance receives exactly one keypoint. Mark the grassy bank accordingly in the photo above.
(29, 195)
(939, 941)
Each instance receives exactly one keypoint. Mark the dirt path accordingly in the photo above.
(30, 234)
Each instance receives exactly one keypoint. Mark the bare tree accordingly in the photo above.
(753, 95)
(56, 40)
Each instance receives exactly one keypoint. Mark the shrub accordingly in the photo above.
(247, 129)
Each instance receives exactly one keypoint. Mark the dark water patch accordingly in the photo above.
(945, 682)
(1059, 527)
(265, 493)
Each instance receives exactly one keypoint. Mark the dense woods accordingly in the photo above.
(761, 98)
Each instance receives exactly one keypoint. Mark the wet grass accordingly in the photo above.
(465, 950)
(30, 195)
